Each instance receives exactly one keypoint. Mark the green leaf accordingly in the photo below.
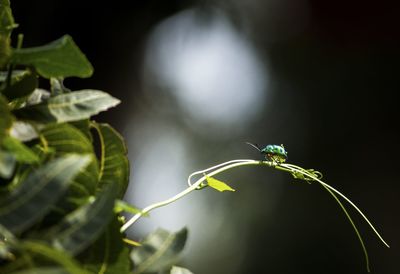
(44, 270)
(5, 49)
(310, 172)
(39, 95)
(64, 139)
(38, 192)
(15, 73)
(7, 160)
(114, 164)
(180, 270)
(121, 206)
(6, 235)
(84, 127)
(159, 251)
(67, 107)
(23, 131)
(81, 228)
(6, 118)
(7, 24)
(218, 185)
(7, 164)
(54, 255)
(60, 58)
(57, 86)
(109, 254)
(7, 241)
(21, 152)
(22, 84)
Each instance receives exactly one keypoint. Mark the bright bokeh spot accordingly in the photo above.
(209, 67)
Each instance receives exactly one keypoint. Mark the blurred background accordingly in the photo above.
(198, 79)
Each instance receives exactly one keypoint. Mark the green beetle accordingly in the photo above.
(274, 153)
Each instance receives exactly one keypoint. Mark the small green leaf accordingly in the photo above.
(114, 164)
(38, 96)
(109, 254)
(218, 185)
(60, 59)
(21, 152)
(159, 251)
(23, 131)
(180, 270)
(82, 227)
(121, 206)
(38, 192)
(54, 255)
(311, 172)
(67, 107)
(22, 84)
(57, 86)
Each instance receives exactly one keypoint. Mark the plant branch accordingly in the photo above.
(221, 167)
(297, 172)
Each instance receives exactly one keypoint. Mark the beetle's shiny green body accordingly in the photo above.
(274, 153)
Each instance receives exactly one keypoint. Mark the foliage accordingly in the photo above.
(158, 251)
(59, 191)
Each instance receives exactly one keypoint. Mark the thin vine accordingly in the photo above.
(307, 175)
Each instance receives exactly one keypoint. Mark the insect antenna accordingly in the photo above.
(254, 145)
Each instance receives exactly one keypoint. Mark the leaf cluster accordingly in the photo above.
(62, 175)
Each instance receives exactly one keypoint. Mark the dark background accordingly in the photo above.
(334, 107)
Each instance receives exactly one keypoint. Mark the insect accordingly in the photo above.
(274, 153)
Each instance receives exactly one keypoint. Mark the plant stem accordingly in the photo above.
(326, 186)
(332, 191)
(293, 169)
(215, 167)
(223, 167)
(353, 225)
(12, 65)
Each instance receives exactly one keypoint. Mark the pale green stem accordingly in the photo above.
(289, 166)
(332, 191)
(353, 225)
(294, 168)
(282, 166)
(225, 166)
(214, 167)
(12, 65)
(20, 40)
